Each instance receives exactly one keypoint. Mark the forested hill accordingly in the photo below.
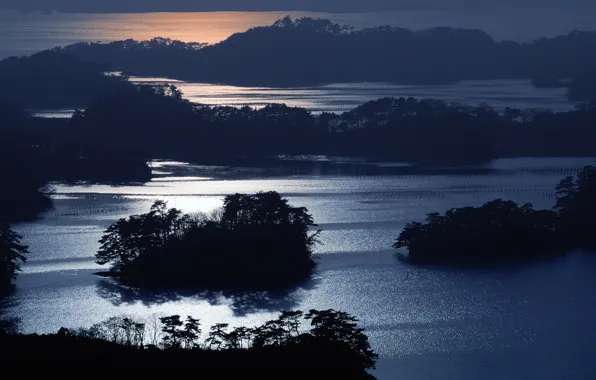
(311, 51)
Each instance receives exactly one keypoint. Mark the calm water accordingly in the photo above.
(340, 98)
(532, 322)
(27, 33)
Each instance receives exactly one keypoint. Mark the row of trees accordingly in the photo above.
(295, 342)
(149, 122)
(125, 125)
(503, 231)
(256, 241)
(173, 332)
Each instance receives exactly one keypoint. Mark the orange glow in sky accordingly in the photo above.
(196, 27)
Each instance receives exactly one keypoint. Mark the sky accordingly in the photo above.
(117, 6)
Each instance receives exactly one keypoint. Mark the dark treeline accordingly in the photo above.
(50, 80)
(310, 51)
(131, 124)
(296, 345)
(12, 255)
(24, 190)
(156, 122)
(256, 242)
(36, 151)
(583, 87)
(502, 231)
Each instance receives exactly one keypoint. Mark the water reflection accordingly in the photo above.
(339, 98)
(240, 303)
(342, 97)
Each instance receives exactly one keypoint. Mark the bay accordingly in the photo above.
(425, 322)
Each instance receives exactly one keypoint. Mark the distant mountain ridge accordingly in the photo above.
(310, 51)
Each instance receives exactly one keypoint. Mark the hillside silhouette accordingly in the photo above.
(155, 122)
(295, 345)
(35, 152)
(301, 52)
(309, 51)
(52, 80)
(127, 125)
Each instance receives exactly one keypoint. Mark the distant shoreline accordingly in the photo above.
(196, 27)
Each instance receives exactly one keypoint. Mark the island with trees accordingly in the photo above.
(146, 122)
(296, 345)
(256, 242)
(504, 232)
(128, 125)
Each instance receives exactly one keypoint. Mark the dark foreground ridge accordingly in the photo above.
(256, 242)
(501, 231)
(331, 346)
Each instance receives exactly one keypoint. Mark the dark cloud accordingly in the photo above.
(91, 6)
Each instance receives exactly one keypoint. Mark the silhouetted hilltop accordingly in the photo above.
(295, 345)
(35, 151)
(310, 51)
(53, 80)
(23, 193)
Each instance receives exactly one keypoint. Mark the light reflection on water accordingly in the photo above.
(408, 311)
(339, 98)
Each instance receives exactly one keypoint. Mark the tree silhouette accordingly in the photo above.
(576, 199)
(256, 241)
(334, 346)
(339, 326)
(12, 254)
(497, 231)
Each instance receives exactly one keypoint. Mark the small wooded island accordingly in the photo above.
(256, 242)
(502, 231)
